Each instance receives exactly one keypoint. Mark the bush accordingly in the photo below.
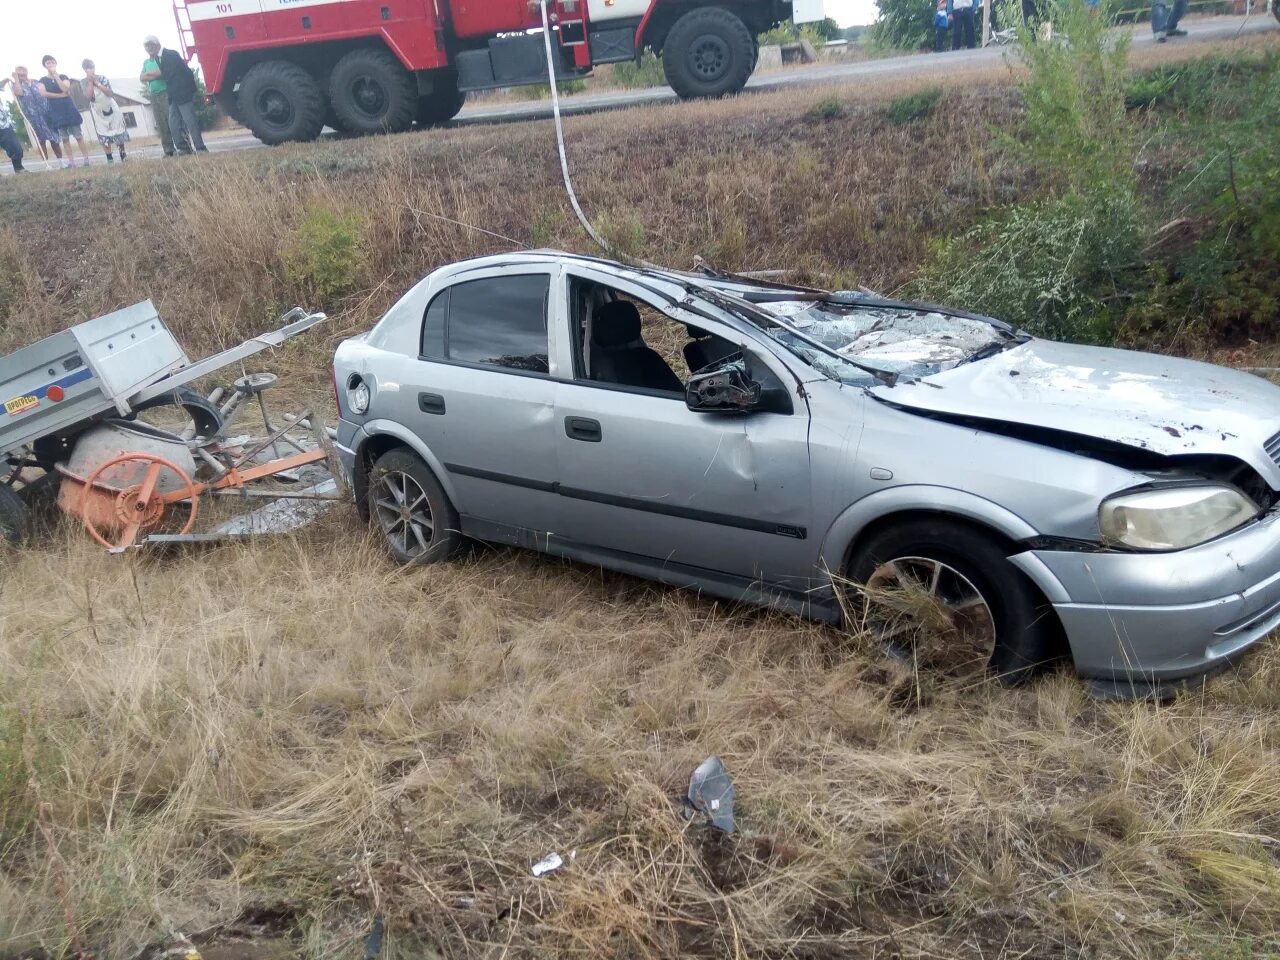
(1074, 92)
(647, 73)
(1052, 267)
(1061, 267)
(914, 106)
(828, 108)
(326, 256)
(904, 24)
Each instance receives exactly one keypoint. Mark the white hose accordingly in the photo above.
(564, 161)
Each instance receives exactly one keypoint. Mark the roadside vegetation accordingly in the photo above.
(282, 741)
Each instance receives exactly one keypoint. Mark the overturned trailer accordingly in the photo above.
(71, 431)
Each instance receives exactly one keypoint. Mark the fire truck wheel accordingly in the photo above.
(280, 102)
(443, 102)
(14, 518)
(708, 53)
(372, 93)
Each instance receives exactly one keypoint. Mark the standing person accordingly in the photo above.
(159, 94)
(180, 84)
(1164, 22)
(9, 141)
(961, 23)
(108, 121)
(63, 115)
(941, 23)
(36, 109)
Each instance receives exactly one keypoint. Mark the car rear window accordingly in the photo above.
(498, 321)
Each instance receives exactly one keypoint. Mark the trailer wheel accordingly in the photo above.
(709, 52)
(372, 93)
(15, 519)
(281, 102)
(444, 101)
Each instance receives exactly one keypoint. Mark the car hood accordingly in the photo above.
(1161, 404)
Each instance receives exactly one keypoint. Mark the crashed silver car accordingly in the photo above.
(771, 443)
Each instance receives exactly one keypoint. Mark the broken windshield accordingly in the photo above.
(902, 341)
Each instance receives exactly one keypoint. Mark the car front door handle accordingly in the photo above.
(581, 428)
(431, 403)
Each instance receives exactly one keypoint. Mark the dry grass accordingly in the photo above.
(293, 737)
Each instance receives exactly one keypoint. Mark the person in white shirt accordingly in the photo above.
(961, 23)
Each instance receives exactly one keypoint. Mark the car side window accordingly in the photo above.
(497, 322)
(433, 326)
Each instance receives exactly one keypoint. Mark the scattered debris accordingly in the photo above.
(711, 792)
(181, 949)
(552, 861)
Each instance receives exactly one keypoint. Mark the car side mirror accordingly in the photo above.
(726, 387)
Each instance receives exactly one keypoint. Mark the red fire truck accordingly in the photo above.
(286, 68)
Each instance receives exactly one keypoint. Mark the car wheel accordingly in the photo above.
(371, 92)
(15, 519)
(947, 595)
(409, 508)
(708, 53)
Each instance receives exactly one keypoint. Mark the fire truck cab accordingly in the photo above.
(287, 68)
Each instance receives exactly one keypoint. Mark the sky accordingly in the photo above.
(111, 33)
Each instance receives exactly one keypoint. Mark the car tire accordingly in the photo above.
(432, 534)
(709, 52)
(281, 103)
(15, 518)
(443, 103)
(372, 92)
(1024, 626)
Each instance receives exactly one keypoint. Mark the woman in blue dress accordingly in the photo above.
(64, 118)
(36, 109)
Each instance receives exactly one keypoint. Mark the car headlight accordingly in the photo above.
(1173, 517)
(358, 396)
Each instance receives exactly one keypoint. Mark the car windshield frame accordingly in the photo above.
(1003, 336)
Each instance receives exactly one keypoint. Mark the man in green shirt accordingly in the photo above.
(159, 93)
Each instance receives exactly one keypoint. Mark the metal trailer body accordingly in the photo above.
(108, 367)
(82, 373)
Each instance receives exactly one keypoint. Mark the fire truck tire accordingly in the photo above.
(443, 103)
(15, 521)
(372, 93)
(280, 102)
(709, 52)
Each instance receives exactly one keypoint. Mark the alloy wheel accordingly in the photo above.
(404, 513)
(926, 607)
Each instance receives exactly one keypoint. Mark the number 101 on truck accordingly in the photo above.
(287, 68)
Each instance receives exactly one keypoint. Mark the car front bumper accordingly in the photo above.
(1139, 622)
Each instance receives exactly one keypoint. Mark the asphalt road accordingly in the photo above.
(1200, 30)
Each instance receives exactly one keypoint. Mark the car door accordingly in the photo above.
(484, 401)
(642, 474)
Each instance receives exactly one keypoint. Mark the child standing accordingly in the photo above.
(941, 22)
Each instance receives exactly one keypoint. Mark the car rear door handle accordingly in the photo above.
(581, 428)
(431, 403)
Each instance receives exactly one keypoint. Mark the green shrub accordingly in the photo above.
(914, 106)
(828, 108)
(541, 91)
(646, 73)
(904, 24)
(326, 256)
(1075, 125)
(1053, 268)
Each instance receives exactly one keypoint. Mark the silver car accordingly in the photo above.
(771, 443)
